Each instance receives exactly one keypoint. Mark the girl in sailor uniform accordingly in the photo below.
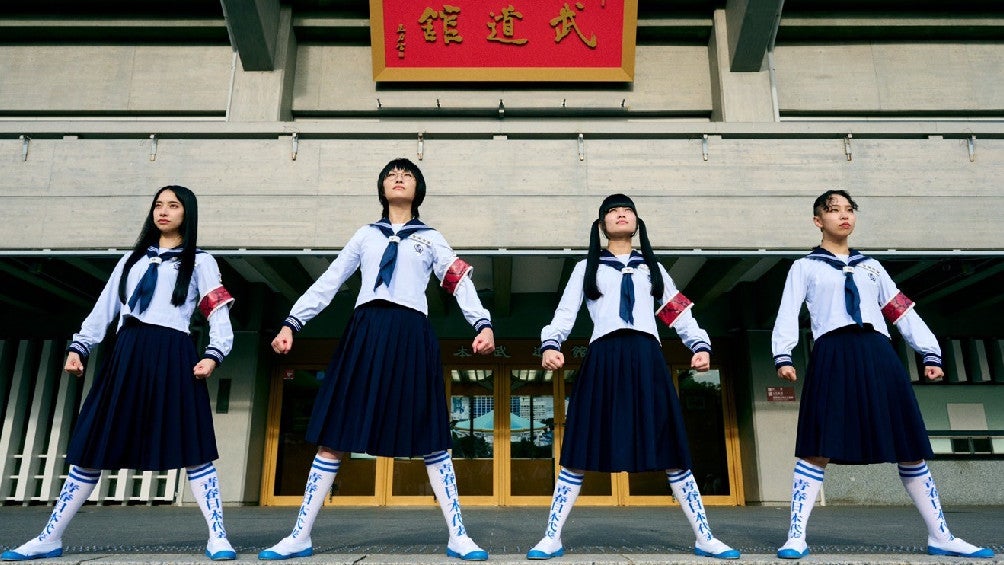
(624, 413)
(383, 392)
(149, 408)
(857, 404)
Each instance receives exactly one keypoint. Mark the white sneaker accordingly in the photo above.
(715, 548)
(34, 549)
(219, 549)
(463, 547)
(795, 548)
(956, 547)
(546, 548)
(288, 548)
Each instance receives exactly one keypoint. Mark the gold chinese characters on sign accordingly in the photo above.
(484, 41)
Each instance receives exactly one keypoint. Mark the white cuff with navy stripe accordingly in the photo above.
(783, 360)
(482, 324)
(932, 360)
(293, 324)
(701, 346)
(214, 354)
(80, 350)
(550, 345)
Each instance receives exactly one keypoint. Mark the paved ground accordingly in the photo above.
(371, 536)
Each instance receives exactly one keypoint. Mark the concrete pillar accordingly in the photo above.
(751, 27)
(736, 96)
(253, 27)
(266, 95)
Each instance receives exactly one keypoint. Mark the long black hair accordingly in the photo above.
(404, 165)
(150, 236)
(589, 286)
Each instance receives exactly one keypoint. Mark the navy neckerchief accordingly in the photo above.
(627, 284)
(389, 257)
(852, 298)
(143, 293)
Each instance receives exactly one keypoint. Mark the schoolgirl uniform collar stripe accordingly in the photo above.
(852, 297)
(143, 293)
(627, 283)
(389, 258)
(822, 253)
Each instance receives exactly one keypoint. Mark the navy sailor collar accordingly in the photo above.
(819, 253)
(385, 224)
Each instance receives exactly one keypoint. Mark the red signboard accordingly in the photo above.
(503, 40)
(780, 394)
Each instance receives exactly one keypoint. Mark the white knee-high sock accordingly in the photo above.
(319, 480)
(566, 490)
(808, 479)
(79, 485)
(205, 485)
(443, 479)
(920, 486)
(684, 488)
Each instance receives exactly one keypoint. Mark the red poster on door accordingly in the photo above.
(503, 40)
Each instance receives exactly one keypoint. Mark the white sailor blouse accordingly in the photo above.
(821, 286)
(206, 290)
(419, 254)
(673, 308)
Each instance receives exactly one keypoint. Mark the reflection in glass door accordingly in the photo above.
(531, 433)
(473, 421)
(289, 454)
(704, 406)
(471, 406)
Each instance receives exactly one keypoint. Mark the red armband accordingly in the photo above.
(897, 308)
(671, 310)
(457, 271)
(213, 300)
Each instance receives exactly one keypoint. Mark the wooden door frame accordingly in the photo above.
(314, 354)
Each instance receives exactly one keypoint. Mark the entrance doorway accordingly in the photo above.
(507, 419)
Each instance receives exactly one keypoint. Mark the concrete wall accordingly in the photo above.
(946, 77)
(674, 78)
(82, 79)
(749, 194)
(515, 182)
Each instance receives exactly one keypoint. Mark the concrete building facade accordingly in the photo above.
(740, 114)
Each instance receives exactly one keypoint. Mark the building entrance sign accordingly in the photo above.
(503, 40)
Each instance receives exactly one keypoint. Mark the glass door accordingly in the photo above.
(288, 455)
(471, 404)
(531, 425)
(709, 417)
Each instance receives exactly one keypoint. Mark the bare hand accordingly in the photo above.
(787, 373)
(552, 359)
(933, 372)
(484, 343)
(701, 361)
(74, 365)
(204, 368)
(283, 341)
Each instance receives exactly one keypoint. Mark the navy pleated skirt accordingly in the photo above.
(624, 413)
(858, 405)
(383, 392)
(146, 410)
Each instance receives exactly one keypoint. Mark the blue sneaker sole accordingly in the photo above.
(12, 555)
(537, 555)
(476, 555)
(982, 553)
(730, 554)
(792, 554)
(222, 555)
(275, 556)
